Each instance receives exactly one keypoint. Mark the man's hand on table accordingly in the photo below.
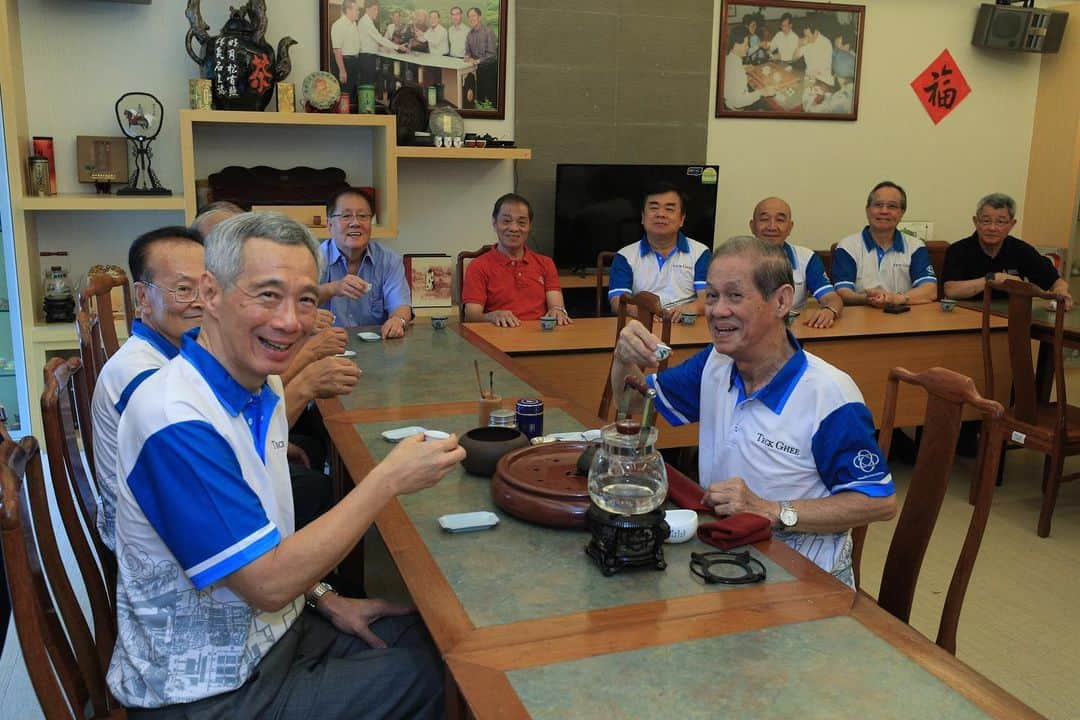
(636, 345)
(394, 327)
(331, 341)
(329, 377)
(562, 317)
(877, 297)
(354, 616)
(822, 317)
(503, 318)
(416, 463)
(350, 286)
(731, 496)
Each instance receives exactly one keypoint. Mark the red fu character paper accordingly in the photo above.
(941, 87)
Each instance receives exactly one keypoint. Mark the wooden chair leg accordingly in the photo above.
(1056, 461)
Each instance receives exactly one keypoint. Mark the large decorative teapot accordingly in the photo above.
(239, 61)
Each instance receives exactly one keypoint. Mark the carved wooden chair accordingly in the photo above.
(648, 309)
(948, 392)
(96, 298)
(65, 661)
(73, 487)
(937, 250)
(92, 355)
(1033, 421)
(603, 260)
(459, 274)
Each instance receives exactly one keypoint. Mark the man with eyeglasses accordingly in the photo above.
(665, 261)
(211, 587)
(881, 266)
(991, 252)
(363, 282)
(165, 266)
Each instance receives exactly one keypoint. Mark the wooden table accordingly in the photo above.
(788, 81)
(529, 627)
(573, 361)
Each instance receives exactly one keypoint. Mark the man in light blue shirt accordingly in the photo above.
(364, 282)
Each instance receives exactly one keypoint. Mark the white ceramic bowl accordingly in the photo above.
(683, 524)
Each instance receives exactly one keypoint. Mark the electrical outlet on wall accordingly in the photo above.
(915, 228)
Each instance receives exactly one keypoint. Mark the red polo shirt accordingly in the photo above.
(496, 282)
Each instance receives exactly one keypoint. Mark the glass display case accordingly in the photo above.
(13, 394)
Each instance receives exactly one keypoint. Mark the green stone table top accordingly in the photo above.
(425, 366)
(519, 571)
(831, 668)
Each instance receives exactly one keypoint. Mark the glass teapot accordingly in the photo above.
(627, 475)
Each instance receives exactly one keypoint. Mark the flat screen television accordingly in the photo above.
(598, 207)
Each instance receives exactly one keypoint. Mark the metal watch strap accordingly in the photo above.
(316, 595)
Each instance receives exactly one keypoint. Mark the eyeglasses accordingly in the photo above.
(182, 295)
(349, 217)
(987, 222)
(879, 205)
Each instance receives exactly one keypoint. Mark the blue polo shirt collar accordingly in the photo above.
(791, 255)
(152, 336)
(233, 396)
(776, 393)
(682, 244)
(897, 241)
(335, 255)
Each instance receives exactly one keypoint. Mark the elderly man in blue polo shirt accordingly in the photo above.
(783, 434)
(212, 577)
(664, 261)
(880, 265)
(363, 282)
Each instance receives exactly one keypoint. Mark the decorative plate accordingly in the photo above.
(321, 90)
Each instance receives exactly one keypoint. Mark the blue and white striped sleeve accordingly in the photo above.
(188, 483)
(922, 272)
(678, 389)
(847, 455)
(844, 270)
(816, 279)
(701, 270)
(621, 277)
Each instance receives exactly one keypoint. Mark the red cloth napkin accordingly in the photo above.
(735, 530)
(725, 533)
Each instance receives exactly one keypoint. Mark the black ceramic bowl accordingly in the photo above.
(485, 445)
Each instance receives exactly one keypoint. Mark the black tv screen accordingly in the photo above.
(598, 207)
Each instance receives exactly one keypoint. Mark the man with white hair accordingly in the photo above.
(212, 577)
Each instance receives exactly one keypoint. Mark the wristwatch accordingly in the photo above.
(312, 599)
(788, 515)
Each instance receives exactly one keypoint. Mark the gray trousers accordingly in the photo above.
(316, 672)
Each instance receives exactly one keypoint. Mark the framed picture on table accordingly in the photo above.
(453, 53)
(789, 60)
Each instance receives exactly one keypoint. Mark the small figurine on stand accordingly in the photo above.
(140, 116)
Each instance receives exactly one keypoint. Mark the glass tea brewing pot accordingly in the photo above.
(627, 475)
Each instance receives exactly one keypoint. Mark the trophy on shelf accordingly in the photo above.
(140, 115)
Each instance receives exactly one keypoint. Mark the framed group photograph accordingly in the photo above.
(789, 60)
(454, 54)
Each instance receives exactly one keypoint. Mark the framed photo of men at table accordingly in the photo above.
(789, 60)
(453, 53)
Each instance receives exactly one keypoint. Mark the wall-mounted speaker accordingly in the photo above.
(1019, 28)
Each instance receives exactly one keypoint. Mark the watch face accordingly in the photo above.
(788, 517)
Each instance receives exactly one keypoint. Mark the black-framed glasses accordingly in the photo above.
(349, 217)
(728, 568)
(182, 295)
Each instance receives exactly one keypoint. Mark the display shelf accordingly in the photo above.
(63, 334)
(91, 202)
(464, 153)
(244, 117)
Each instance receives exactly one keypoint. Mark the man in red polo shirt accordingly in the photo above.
(512, 283)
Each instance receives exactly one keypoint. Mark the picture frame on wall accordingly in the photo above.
(459, 59)
(789, 60)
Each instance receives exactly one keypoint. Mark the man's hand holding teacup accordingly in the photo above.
(732, 496)
(636, 346)
(350, 286)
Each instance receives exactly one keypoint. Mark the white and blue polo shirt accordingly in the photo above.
(206, 491)
(859, 263)
(806, 435)
(676, 279)
(809, 273)
(137, 359)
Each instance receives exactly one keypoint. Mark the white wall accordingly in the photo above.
(825, 168)
(80, 56)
